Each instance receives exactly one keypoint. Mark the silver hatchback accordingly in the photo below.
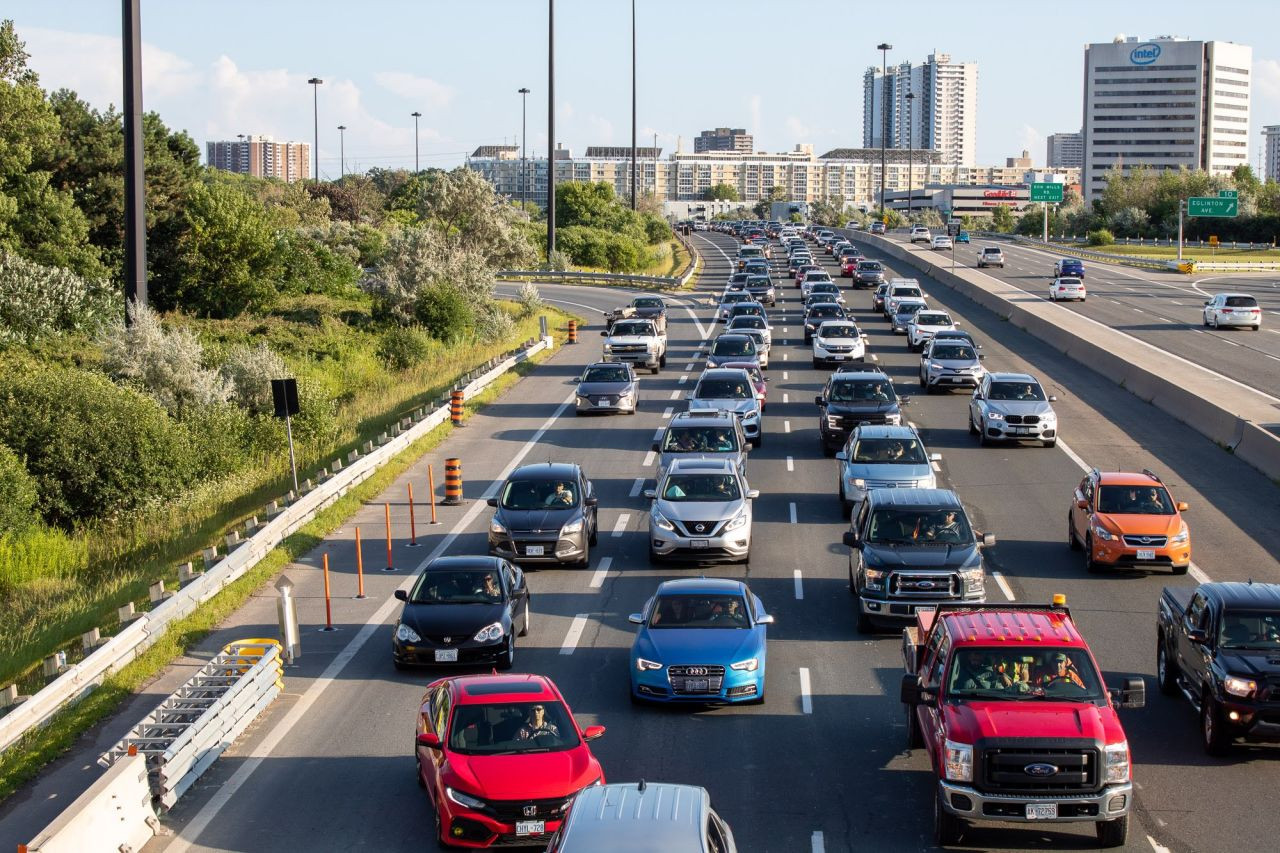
(701, 511)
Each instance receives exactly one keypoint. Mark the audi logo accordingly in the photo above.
(696, 670)
(448, 639)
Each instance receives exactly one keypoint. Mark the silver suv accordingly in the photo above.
(1012, 406)
(668, 817)
(990, 256)
(702, 434)
(730, 389)
(950, 363)
(701, 511)
(883, 457)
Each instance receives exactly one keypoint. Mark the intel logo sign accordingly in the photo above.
(1144, 54)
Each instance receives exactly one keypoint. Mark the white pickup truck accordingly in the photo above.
(636, 341)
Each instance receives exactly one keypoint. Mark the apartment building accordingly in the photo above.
(724, 139)
(1271, 151)
(1064, 150)
(941, 112)
(261, 157)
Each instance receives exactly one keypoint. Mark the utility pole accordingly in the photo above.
(524, 153)
(135, 186)
(911, 150)
(884, 49)
(315, 89)
(416, 115)
(633, 104)
(1182, 207)
(551, 128)
(342, 153)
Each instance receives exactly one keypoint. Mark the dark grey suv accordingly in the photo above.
(546, 513)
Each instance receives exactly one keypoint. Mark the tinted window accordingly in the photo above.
(850, 390)
(900, 292)
(700, 440)
(748, 321)
(539, 494)
(952, 353)
(871, 266)
(1054, 674)
(458, 586)
(1247, 630)
(839, 331)
(733, 346)
(926, 318)
(648, 302)
(893, 451)
(909, 307)
(1015, 391)
(707, 610)
(826, 310)
(1134, 500)
(919, 527)
(632, 329)
(606, 374)
(701, 487)
(1240, 302)
(724, 389)
(515, 727)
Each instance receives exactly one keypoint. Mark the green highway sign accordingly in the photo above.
(1213, 206)
(1228, 193)
(1046, 192)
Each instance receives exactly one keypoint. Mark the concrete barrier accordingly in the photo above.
(114, 814)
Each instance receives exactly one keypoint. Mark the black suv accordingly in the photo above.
(851, 399)
(546, 513)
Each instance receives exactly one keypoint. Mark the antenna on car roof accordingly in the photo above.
(640, 787)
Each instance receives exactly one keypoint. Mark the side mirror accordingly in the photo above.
(636, 618)
(841, 456)
(1198, 636)
(935, 457)
(1082, 504)
(817, 400)
(904, 401)
(1132, 695)
(1183, 506)
(981, 357)
(402, 595)
(492, 501)
(592, 732)
(592, 501)
(650, 493)
(988, 539)
(654, 447)
(604, 334)
(1052, 398)
(912, 693)
(1208, 301)
(767, 619)
(851, 539)
(752, 494)
(429, 740)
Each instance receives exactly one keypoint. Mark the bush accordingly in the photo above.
(402, 347)
(249, 371)
(221, 438)
(36, 301)
(493, 324)
(1101, 237)
(444, 312)
(559, 261)
(18, 494)
(530, 299)
(95, 449)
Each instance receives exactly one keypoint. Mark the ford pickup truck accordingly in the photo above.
(637, 342)
(1219, 645)
(1018, 723)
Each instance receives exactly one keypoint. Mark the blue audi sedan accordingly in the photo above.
(701, 640)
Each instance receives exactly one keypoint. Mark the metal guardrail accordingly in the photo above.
(115, 813)
(663, 282)
(1105, 257)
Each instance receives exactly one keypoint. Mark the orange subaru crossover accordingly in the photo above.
(1125, 519)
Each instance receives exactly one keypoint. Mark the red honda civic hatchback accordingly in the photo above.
(501, 757)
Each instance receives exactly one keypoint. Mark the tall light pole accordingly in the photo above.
(524, 152)
(911, 150)
(551, 128)
(416, 115)
(135, 185)
(342, 152)
(633, 104)
(884, 49)
(315, 89)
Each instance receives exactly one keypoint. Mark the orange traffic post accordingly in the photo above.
(431, 490)
(413, 524)
(455, 407)
(452, 482)
(359, 567)
(573, 331)
(328, 607)
(387, 509)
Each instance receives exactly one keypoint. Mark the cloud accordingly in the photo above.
(423, 89)
(798, 131)
(1031, 140)
(90, 64)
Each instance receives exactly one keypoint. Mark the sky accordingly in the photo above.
(790, 71)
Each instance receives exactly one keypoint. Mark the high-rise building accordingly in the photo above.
(1064, 150)
(1168, 103)
(1271, 165)
(262, 157)
(941, 115)
(724, 139)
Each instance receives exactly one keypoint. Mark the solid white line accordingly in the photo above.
(935, 465)
(602, 572)
(799, 579)
(816, 842)
(806, 698)
(1229, 343)
(793, 512)
(786, 398)
(786, 426)
(620, 526)
(374, 625)
(637, 487)
(1004, 586)
(791, 465)
(576, 627)
(683, 379)
(648, 459)
(667, 412)
(1156, 846)
(675, 395)
(875, 357)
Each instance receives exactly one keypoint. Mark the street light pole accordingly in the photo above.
(524, 154)
(633, 104)
(416, 115)
(135, 185)
(551, 128)
(315, 89)
(342, 153)
(911, 150)
(884, 49)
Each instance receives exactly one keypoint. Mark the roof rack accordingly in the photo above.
(978, 607)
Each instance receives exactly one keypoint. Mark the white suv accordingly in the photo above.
(920, 234)
(924, 325)
(838, 342)
(990, 256)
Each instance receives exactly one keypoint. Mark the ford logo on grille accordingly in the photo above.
(695, 670)
(924, 584)
(529, 811)
(1040, 770)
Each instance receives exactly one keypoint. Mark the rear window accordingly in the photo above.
(1241, 302)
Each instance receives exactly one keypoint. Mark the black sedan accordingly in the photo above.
(462, 610)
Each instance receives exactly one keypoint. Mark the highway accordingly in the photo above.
(822, 764)
(1161, 308)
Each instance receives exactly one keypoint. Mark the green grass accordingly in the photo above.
(1190, 253)
(24, 759)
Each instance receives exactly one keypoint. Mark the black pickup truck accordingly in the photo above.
(1219, 645)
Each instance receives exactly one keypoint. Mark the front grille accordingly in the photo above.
(510, 811)
(889, 484)
(629, 348)
(1146, 541)
(850, 422)
(681, 676)
(708, 528)
(1003, 770)
(1022, 419)
(839, 348)
(907, 585)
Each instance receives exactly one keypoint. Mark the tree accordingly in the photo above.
(419, 259)
(721, 192)
(1002, 219)
(464, 210)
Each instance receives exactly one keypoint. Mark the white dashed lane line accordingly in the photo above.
(576, 627)
(602, 572)
(620, 526)
(806, 692)
(657, 435)
(667, 412)
(786, 426)
(683, 379)
(638, 486)
(791, 464)
(786, 398)
(793, 512)
(648, 459)
(799, 581)
(675, 395)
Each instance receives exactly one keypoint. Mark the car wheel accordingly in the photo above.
(1213, 732)
(1166, 670)
(1090, 565)
(655, 558)
(662, 360)
(1112, 833)
(1181, 570)
(524, 629)
(947, 828)
(1072, 542)
(915, 738)
(983, 439)
(815, 364)
(972, 429)
(757, 441)
(654, 370)
(1204, 320)
(828, 450)
(440, 838)
(507, 659)
(1257, 327)
(417, 772)
(594, 538)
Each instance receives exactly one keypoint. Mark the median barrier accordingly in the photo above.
(115, 813)
(1260, 447)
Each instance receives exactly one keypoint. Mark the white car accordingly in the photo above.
(838, 342)
(1232, 309)
(1067, 288)
(920, 234)
(942, 241)
(925, 324)
(811, 278)
(900, 288)
(749, 322)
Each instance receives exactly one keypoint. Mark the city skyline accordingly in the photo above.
(222, 78)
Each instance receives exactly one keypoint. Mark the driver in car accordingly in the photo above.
(536, 724)
(1027, 393)
(562, 496)
(1063, 671)
(945, 528)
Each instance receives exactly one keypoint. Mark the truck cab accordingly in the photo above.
(1018, 724)
(636, 341)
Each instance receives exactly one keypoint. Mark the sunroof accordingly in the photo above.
(488, 688)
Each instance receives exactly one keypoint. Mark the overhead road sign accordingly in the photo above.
(1050, 192)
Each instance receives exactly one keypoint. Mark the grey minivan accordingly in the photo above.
(639, 817)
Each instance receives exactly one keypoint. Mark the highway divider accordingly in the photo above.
(80, 679)
(1240, 419)
(114, 814)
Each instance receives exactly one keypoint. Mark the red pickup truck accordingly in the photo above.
(1016, 718)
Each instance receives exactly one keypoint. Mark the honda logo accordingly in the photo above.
(1040, 770)
(529, 811)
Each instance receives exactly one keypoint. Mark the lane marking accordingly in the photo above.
(690, 366)
(785, 376)
(638, 486)
(620, 526)
(806, 697)
(793, 512)
(786, 426)
(576, 627)
(675, 395)
(683, 379)
(1156, 846)
(787, 331)
(935, 466)
(816, 842)
(1004, 586)
(667, 412)
(602, 572)
(784, 355)
(786, 398)
(799, 580)
(791, 465)
(657, 434)
(648, 459)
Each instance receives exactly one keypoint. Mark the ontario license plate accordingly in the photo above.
(1146, 554)
(534, 550)
(604, 404)
(537, 827)
(1042, 811)
(699, 543)
(696, 685)
(446, 655)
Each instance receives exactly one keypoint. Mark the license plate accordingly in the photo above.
(699, 543)
(446, 655)
(1146, 554)
(696, 685)
(536, 827)
(1042, 811)
(534, 550)
(604, 404)
(837, 356)
(1021, 430)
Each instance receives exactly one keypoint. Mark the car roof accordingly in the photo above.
(608, 364)
(939, 498)
(1237, 594)
(1013, 377)
(703, 466)
(697, 585)
(463, 561)
(486, 689)
(1128, 478)
(1230, 293)
(540, 470)
(982, 626)
(860, 371)
(886, 431)
(723, 372)
(700, 415)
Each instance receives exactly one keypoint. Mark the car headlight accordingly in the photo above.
(738, 521)
(608, 348)
(1237, 686)
(994, 416)
(959, 761)
(875, 578)
(643, 665)
(489, 633)
(1181, 538)
(496, 526)
(405, 634)
(748, 665)
(856, 482)
(1117, 761)
(1049, 417)
(973, 578)
(1103, 533)
(571, 528)
(465, 800)
(661, 520)
(934, 367)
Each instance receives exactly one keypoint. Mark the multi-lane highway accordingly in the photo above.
(821, 765)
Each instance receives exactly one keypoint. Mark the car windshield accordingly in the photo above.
(902, 292)
(623, 329)
(1240, 302)
(825, 287)
(758, 281)
(892, 451)
(1248, 630)
(893, 526)
(739, 277)
(951, 352)
(909, 307)
(1069, 282)
(539, 494)
(748, 321)
(1015, 391)
(852, 390)
(511, 728)
(825, 309)
(734, 298)
(724, 389)
(814, 276)
(707, 439)
(648, 302)
(733, 346)
(925, 318)
(991, 251)
(611, 373)
(457, 586)
(1135, 500)
(705, 610)
(747, 310)
(869, 266)
(701, 487)
(838, 331)
(1055, 674)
